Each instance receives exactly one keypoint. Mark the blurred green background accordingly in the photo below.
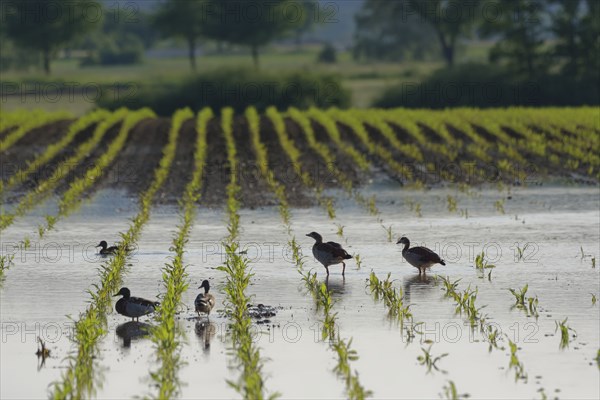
(77, 54)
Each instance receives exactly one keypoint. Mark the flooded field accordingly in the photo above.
(546, 238)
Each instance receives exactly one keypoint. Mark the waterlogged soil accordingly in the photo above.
(134, 167)
(558, 227)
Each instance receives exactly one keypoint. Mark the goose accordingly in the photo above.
(419, 257)
(105, 250)
(134, 307)
(204, 301)
(329, 253)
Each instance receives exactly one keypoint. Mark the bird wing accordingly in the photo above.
(334, 249)
(425, 254)
(143, 302)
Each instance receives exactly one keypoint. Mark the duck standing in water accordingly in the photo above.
(105, 250)
(134, 307)
(204, 301)
(419, 257)
(329, 253)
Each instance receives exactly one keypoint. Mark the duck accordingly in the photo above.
(105, 250)
(419, 257)
(204, 301)
(329, 253)
(134, 307)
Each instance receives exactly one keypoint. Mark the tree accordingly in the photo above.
(183, 18)
(450, 19)
(46, 25)
(520, 27)
(385, 30)
(576, 25)
(252, 23)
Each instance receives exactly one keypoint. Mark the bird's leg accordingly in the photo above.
(327, 269)
(343, 268)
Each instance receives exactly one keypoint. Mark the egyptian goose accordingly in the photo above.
(329, 253)
(419, 257)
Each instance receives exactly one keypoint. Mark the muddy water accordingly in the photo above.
(49, 283)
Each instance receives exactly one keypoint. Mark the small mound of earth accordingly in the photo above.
(262, 312)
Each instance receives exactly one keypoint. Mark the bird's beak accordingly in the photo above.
(398, 242)
(115, 295)
(97, 245)
(308, 234)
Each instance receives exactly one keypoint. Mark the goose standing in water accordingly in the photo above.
(105, 250)
(419, 257)
(329, 253)
(204, 301)
(134, 307)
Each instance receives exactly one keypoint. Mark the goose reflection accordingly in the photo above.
(336, 287)
(417, 281)
(206, 330)
(132, 330)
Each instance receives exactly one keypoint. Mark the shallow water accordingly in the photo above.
(50, 282)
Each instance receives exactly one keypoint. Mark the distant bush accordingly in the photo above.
(237, 88)
(328, 55)
(123, 50)
(484, 85)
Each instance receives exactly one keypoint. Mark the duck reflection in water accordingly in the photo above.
(206, 330)
(419, 282)
(132, 330)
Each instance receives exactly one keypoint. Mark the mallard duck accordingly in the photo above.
(204, 301)
(134, 307)
(419, 257)
(105, 250)
(329, 253)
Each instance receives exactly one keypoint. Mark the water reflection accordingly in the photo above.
(132, 330)
(206, 330)
(336, 287)
(418, 282)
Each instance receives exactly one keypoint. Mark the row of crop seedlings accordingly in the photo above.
(356, 126)
(166, 335)
(34, 120)
(251, 383)
(345, 354)
(63, 169)
(578, 150)
(53, 149)
(77, 380)
(294, 154)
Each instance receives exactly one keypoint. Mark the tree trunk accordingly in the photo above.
(255, 56)
(447, 49)
(46, 61)
(192, 53)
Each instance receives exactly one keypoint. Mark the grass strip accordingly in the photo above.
(35, 120)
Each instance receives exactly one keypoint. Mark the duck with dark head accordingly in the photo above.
(134, 307)
(329, 253)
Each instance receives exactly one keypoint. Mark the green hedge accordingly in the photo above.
(238, 88)
(485, 85)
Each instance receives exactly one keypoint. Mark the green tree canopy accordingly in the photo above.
(47, 25)
(185, 19)
(450, 19)
(520, 26)
(252, 23)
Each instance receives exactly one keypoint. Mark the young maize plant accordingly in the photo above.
(251, 383)
(45, 187)
(52, 150)
(72, 198)
(166, 335)
(77, 380)
(35, 120)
